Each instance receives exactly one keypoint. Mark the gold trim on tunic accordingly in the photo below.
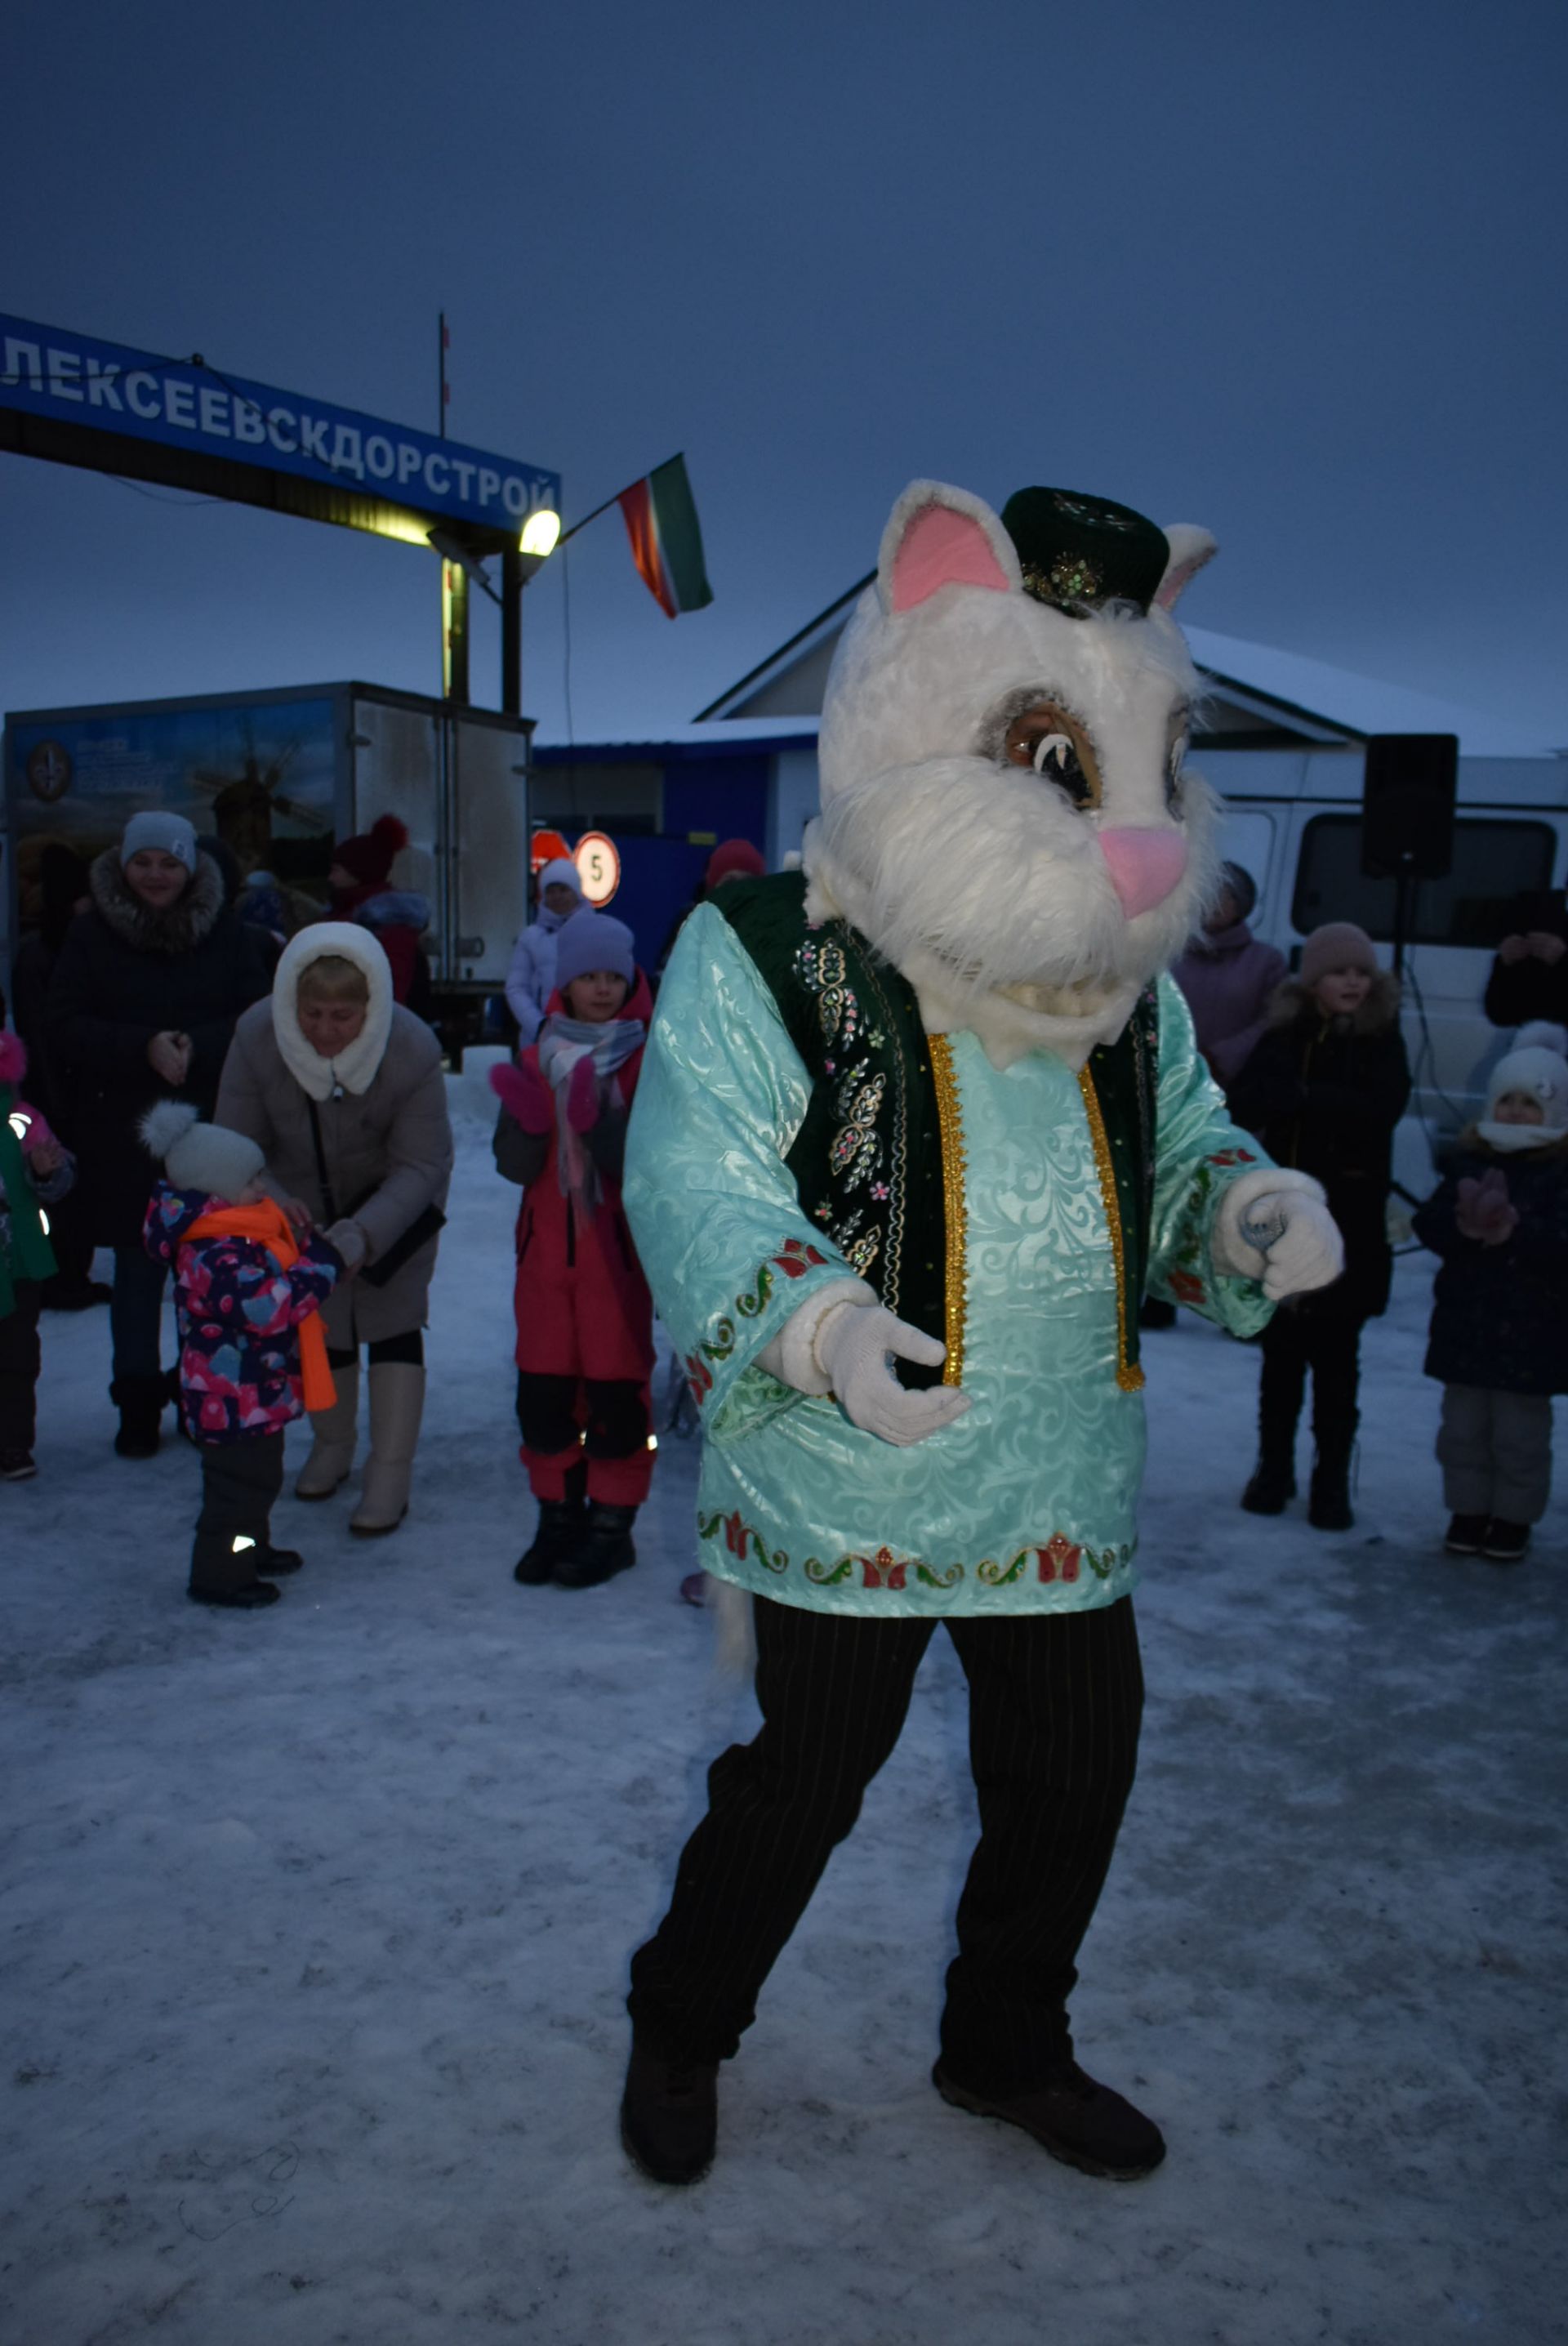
(1129, 1376)
(955, 1281)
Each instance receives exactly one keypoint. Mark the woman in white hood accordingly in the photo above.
(531, 980)
(342, 1090)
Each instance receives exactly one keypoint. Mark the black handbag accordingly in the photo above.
(404, 1247)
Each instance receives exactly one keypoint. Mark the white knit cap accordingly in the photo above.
(195, 1156)
(1541, 1075)
(170, 833)
(562, 874)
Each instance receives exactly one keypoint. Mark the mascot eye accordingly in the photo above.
(1051, 742)
(1056, 759)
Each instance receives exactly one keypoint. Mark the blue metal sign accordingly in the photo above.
(73, 379)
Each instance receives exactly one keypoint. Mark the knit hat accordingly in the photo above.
(170, 833)
(731, 858)
(594, 941)
(1338, 944)
(562, 874)
(1541, 1073)
(369, 854)
(195, 1156)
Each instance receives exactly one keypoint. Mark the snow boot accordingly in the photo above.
(1505, 1543)
(1329, 1500)
(223, 1571)
(559, 1533)
(1279, 1392)
(139, 1400)
(1464, 1535)
(1272, 1486)
(1081, 2123)
(606, 1548)
(332, 1457)
(397, 1405)
(669, 2114)
(280, 1561)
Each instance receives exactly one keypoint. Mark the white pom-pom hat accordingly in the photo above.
(196, 1156)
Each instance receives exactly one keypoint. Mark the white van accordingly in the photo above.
(1296, 825)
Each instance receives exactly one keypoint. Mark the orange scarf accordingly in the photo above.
(269, 1226)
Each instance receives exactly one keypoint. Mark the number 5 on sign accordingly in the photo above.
(598, 866)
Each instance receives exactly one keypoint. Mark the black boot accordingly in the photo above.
(1279, 1395)
(1328, 1505)
(559, 1534)
(1069, 2114)
(223, 1571)
(669, 2114)
(139, 1400)
(1273, 1484)
(606, 1548)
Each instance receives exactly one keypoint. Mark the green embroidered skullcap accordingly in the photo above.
(1079, 552)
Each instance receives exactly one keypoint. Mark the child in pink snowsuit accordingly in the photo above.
(585, 1316)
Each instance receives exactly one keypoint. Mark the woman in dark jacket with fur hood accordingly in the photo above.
(1323, 1091)
(141, 1007)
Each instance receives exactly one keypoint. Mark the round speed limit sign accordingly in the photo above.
(598, 866)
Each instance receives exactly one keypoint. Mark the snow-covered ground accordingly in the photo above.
(314, 1923)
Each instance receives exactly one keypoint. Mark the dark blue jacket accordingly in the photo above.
(1500, 1317)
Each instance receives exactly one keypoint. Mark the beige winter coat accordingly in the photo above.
(387, 1138)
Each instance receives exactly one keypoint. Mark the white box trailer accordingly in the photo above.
(279, 775)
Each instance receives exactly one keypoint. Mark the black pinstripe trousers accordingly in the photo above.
(1055, 1704)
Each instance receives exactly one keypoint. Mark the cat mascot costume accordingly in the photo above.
(917, 1126)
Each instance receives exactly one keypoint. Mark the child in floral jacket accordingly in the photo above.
(252, 1351)
(34, 1171)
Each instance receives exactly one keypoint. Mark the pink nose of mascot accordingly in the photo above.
(1145, 866)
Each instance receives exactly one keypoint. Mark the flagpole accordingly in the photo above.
(587, 517)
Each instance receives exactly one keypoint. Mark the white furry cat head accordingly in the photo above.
(1030, 900)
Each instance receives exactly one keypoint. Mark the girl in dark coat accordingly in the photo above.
(1323, 1091)
(141, 1007)
(1500, 1326)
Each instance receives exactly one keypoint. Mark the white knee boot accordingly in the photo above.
(331, 1455)
(397, 1405)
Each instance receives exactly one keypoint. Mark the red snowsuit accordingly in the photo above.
(585, 1316)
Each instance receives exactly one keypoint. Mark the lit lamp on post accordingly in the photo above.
(460, 564)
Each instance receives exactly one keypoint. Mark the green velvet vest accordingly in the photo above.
(877, 1161)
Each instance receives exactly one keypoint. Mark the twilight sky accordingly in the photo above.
(1295, 273)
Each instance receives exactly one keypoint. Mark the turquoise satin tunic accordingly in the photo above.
(1029, 1501)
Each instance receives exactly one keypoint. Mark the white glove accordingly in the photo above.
(851, 1345)
(1297, 1241)
(350, 1241)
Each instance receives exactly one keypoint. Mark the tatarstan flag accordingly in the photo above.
(666, 538)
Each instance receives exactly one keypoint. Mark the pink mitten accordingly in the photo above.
(583, 1096)
(526, 1096)
(1483, 1211)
